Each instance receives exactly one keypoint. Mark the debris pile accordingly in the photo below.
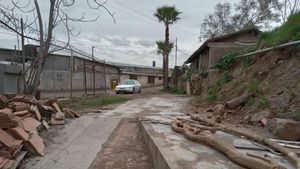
(203, 130)
(21, 119)
(281, 128)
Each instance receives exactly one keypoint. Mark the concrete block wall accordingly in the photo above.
(143, 79)
(56, 77)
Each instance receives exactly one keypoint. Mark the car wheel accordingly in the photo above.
(117, 92)
(140, 90)
(133, 91)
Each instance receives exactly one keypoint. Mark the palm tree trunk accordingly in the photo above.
(164, 70)
(166, 59)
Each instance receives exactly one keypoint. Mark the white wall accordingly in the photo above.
(143, 79)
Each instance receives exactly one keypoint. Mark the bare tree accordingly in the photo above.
(57, 17)
(286, 8)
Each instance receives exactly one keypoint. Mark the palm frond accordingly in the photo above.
(163, 48)
(167, 14)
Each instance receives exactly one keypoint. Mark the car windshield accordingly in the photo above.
(127, 82)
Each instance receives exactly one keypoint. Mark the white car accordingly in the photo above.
(129, 86)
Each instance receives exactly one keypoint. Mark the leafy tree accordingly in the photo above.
(251, 13)
(228, 18)
(168, 15)
(219, 22)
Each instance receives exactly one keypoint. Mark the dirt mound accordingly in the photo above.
(273, 79)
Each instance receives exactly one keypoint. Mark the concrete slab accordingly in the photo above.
(171, 150)
(76, 145)
(158, 106)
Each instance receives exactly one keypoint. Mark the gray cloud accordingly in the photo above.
(132, 38)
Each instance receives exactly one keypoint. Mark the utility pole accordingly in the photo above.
(94, 74)
(176, 53)
(23, 53)
(105, 77)
(71, 74)
(84, 78)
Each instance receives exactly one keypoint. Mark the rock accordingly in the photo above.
(237, 102)
(285, 129)
(280, 62)
(280, 92)
(246, 120)
(264, 121)
(219, 109)
(210, 109)
(209, 116)
(258, 117)
(218, 119)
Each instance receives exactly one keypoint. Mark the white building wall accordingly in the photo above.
(143, 79)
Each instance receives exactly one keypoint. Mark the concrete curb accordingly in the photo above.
(159, 162)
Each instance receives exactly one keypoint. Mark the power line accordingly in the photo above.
(148, 17)
(181, 51)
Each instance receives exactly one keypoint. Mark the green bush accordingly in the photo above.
(290, 30)
(215, 88)
(224, 79)
(264, 102)
(248, 60)
(212, 97)
(227, 60)
(253, 87)
(173, 90)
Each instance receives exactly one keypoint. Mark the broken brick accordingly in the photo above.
(30, 124)
(19, 133)
(35, 145)
(8, 119)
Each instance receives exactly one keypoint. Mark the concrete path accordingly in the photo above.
(76, 144)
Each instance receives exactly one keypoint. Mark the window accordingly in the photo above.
(128, 82)
(159, 78)
(134, 77)
(151, 79)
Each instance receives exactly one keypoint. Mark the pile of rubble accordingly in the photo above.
(281, 128)
(21, 119)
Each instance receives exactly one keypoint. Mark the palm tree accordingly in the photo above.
(162, 48)
(168, 15)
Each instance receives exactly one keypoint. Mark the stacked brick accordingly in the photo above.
(21, 119)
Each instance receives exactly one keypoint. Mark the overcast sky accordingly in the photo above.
(132, 38)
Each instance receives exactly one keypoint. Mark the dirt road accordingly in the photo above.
(77, 144)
